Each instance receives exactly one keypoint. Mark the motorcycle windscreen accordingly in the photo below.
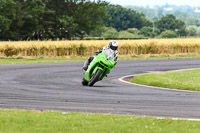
(109, 53)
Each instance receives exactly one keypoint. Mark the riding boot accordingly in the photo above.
(87, 63)
(85, 66)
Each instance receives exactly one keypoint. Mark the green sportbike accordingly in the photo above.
(99, 67)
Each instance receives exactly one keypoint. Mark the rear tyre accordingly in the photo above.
(95, 77)
(84, 82)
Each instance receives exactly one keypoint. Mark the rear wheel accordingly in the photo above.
(95, 77)
(84, 82)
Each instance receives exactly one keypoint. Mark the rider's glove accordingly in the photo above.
(98, 51)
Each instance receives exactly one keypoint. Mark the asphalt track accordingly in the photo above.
(57, 86)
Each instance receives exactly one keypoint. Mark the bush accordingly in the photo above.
(146, 31)
(168, 34)
(110, 33)
(149, 31)
(10, 51)
(192, 30)
(125, 34)
(133, 31)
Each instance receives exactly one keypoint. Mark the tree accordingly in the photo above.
(81, 17)
(7, 15)
(192, 30)
(55, 13)
(34, 10)
(169, 22)
(160, 12)
(4, 24)
(146, 31)
(98, 31)
(149, 31)
(123, 18)
(67, 27)
(28, 21)
(89, 15)
(50, 19)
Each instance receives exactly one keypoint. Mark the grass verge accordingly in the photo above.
(45, 60)
(187, 80)
(39, 60)
(149, 57)
(19, 121)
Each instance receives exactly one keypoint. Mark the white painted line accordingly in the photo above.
(189, 119)
(154, 87)
(173, 118)
(122, 80)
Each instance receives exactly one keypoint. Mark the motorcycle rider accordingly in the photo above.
(113, 45)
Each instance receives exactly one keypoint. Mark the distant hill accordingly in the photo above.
(191, 15)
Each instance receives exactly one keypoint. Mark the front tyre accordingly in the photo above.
(95, 77)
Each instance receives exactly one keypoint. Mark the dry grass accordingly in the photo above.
(86, 48)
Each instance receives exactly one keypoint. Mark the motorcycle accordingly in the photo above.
(99, 67)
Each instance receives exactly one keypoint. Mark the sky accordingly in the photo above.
(155, 2)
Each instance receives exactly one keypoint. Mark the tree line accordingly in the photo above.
(49, 19)
(77, 19)
(191, 15)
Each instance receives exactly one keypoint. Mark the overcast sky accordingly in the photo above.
(155, 2)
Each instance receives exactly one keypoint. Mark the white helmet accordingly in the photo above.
(113, 45)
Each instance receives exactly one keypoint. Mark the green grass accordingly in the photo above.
(187, 80)
(40, 60)
(18, 121)
(43, 60)
(159, 57)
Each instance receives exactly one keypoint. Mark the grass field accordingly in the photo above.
(187, 80)
(19, 121)
(55, 49)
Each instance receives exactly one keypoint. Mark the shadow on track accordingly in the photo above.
(99, 86)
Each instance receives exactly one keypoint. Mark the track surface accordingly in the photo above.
(57, 86)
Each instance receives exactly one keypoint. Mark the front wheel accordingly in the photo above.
(95, 77)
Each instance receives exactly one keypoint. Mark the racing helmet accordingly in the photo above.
(113, 45)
